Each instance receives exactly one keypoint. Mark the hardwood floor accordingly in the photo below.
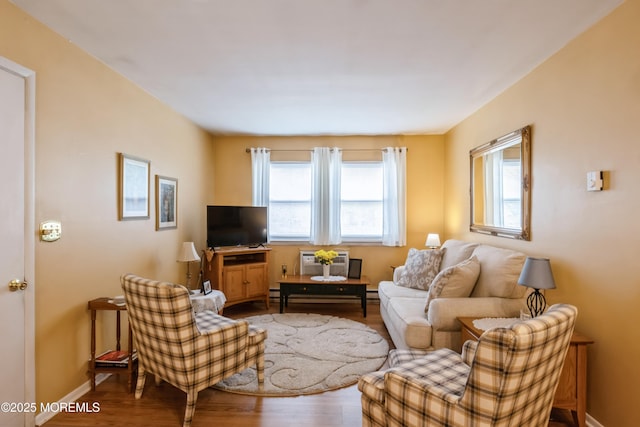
(163, 406)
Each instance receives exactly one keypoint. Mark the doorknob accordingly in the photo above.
(17, 285)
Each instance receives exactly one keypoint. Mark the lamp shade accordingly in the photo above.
(537, 274)
(188, 253)
(433, 240)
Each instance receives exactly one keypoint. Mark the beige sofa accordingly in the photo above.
(495, 293)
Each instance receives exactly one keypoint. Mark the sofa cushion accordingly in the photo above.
(456, 251)
(456, 281)
(499, 272)
(388, 289)
(420, 268)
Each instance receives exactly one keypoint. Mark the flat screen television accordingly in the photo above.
(236, 226)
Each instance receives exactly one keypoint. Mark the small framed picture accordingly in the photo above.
(355, 268)
(134, 188)
(206, 287)
(166, 203)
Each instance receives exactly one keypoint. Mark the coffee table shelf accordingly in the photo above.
(304, 285)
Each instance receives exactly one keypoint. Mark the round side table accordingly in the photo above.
(213, 301)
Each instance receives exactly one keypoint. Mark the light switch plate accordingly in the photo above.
(594, 181)
(50, 231)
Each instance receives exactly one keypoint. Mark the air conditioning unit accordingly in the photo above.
(309, 266)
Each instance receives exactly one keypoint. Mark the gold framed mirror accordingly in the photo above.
(501, 186)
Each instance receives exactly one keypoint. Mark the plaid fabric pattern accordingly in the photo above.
(254, 355)
(440, 371)
(469, 351)
(400, 356)
(189, 351)
(508, 378)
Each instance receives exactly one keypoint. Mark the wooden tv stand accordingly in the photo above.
(242, 274)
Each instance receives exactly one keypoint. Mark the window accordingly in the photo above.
(511, 199)
(327, 200)
(289, 201)
(360, 201)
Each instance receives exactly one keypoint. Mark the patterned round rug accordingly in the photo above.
(310, 353)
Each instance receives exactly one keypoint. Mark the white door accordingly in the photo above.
(16, 247)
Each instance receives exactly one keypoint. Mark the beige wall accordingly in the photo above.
(85, 115)
(583, 105)
(232, 173)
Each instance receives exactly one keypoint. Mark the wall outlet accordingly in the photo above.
(594, 180)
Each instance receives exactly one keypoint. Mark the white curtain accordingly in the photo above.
(494, 212)
(394, 222)
(260, 160)
(326, 167)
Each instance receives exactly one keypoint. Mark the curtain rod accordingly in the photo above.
(248, 150)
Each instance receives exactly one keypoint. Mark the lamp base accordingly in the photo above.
(188, 276)
(536, 303)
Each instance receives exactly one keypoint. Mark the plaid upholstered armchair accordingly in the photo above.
(507, 378)
(189, 351)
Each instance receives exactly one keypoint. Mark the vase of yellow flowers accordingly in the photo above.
(326, 259)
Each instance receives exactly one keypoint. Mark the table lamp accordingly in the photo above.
(188, 254)
(537, 274)
(433, 241)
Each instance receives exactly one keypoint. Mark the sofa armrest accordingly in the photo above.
(443, 312)
(397, 272)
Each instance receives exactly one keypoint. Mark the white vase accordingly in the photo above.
(326, 270)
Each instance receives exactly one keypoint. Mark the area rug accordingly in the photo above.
(310, 353)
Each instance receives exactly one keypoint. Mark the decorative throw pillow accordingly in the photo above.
(420, 268)
(456, 281)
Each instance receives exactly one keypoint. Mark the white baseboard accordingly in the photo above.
(592, 422)
(43, 417)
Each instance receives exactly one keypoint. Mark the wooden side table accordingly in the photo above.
(105, 304)
(571, 393)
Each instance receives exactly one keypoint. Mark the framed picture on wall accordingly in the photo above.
(166, 202)
(134, 187)
(355, 268)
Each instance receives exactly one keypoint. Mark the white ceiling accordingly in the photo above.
(316, 67)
